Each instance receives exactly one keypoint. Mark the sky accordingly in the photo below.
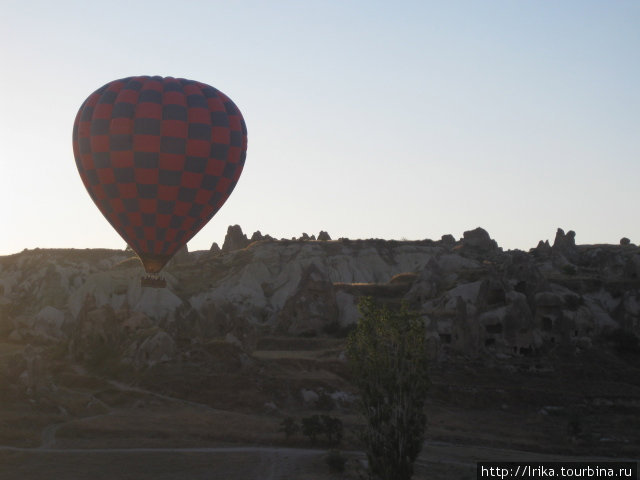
(367, 119)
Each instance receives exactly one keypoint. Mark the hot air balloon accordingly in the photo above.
(159, 157)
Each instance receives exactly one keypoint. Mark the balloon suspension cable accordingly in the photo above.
(153, 280)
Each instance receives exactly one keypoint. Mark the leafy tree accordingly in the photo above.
(289, 427)
(330, 427)
(388, 357)
(312, 427)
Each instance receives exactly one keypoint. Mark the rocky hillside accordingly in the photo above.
(534, 351)
(476, 298)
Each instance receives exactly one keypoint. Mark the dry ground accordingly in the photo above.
(202, 421)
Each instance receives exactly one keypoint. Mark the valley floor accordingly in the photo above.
(190, 421)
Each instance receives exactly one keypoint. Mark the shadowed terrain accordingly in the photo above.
(535, 356)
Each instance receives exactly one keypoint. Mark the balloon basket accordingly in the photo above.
(153, 281)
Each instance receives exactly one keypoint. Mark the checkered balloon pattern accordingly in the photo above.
(159, 157)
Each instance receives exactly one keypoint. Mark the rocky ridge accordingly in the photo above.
(475, 298)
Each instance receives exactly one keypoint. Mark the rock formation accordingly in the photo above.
(235, 239)
(475, 298)
(448, 239)
(312, 307)
(479, 240)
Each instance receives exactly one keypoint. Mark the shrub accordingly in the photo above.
(289, 427)
(329, 427)
(332, 428)
(325, 402)
(336, 330)
(336, 461)
(312, 427)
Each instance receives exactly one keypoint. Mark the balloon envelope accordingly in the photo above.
(159, 157)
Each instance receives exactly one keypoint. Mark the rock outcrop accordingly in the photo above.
(235, 239)
(479, 240)
(258, 236)
(564, 247)
(312, 306)
(475, 298)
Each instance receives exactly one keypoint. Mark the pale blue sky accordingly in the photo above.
(366, 119)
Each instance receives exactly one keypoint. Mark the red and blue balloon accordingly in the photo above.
(159, 157)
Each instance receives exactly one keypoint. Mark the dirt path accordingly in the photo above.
(438, 461)
(128, 388)
(471, 454)
(230, 463)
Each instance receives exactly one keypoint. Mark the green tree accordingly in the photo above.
(388, 356)
(331, 427)
(289, 427)
(312, 427)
